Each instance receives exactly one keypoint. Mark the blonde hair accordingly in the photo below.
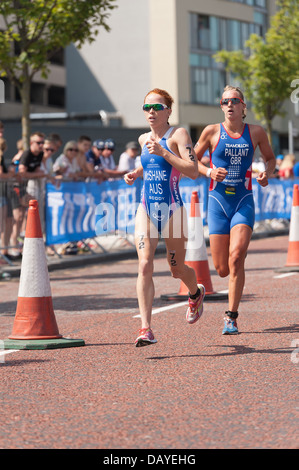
(240, 92)
(69, 145)
(288, 161)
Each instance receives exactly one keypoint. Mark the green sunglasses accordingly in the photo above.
(155, 107)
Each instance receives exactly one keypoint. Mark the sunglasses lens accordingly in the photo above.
(225, 101)
(155, 107)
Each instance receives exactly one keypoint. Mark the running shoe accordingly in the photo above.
(145, 338)
(195, 308)
(230, 326)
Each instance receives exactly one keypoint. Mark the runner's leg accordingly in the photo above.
(146, 248)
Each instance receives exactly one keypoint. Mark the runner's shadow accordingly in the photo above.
(237, 350)
(281, 329)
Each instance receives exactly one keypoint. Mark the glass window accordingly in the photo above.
(209, 34)
(56, 96)
(233, 35)
(244, 34)
(223, 35)
(215, 39)
(200, 60)
(260, 3)
(203, 29)
(37, 93)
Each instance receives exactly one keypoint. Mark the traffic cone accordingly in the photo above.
(293, 250)
(292, 263)
(197, 257)
(35, 325)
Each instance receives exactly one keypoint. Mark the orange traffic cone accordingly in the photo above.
(197, 257)
(293, 250)
(35, 325)
(292, 263)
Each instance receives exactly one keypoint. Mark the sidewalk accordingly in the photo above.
(115, 247)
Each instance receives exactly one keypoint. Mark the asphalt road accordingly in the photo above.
(194, 389)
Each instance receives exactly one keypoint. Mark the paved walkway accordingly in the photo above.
(116, 247)
(194, 389)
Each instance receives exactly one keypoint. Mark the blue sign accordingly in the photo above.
(79, 210)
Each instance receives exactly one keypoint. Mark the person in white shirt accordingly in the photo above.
(109, 167)
(127, 160)
(66, 164)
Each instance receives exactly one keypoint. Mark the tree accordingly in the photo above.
(37, 29)
(272, 63)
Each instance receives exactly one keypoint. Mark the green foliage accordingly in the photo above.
(268, 65)
(40, 28)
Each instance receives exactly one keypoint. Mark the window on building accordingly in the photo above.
(208, 34)
(37, 93)
(56, 96)
(57, 58)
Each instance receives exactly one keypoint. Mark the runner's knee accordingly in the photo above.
(146, 267)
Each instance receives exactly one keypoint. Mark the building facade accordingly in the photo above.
(156, 43)
(168, 44)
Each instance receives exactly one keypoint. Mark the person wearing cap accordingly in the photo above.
(94, 153)
(93, 160)
(127, 160)
(109, 167)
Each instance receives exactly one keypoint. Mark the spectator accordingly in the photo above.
(47, 161)
(66, 164)
(93, 160)
(286, 167)
(206, 158)
(296, 170)
(3, 197)
(56, 141)
(279, 159)
(20, 149)
(8, 205)
(84, 144)
(108, 163)
(17, 202)
(127, 160)
(258, 166)
(29, 165)
(1, 129)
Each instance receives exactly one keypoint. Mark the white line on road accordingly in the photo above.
(163, 309)
(8, 351)
(284, 275)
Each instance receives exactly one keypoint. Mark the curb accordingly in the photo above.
(72, 261)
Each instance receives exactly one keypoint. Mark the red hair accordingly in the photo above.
(168, 99)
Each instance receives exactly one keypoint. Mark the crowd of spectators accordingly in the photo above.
(48, 159)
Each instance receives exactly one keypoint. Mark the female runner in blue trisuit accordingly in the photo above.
(230, 203)
(166, 153)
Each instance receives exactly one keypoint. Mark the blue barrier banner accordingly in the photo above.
(275, 200)
(80, 210)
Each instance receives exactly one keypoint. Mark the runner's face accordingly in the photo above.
(155, 118)
(231, 111)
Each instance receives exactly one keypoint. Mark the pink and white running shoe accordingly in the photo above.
(195, 308)
(145, 338)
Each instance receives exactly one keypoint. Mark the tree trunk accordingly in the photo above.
(25, 97)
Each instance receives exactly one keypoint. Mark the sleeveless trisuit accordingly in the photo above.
(160, 194)
(231, 201)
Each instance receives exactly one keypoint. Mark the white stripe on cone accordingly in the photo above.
(196, 247)
(34, 279)
(294, 225)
